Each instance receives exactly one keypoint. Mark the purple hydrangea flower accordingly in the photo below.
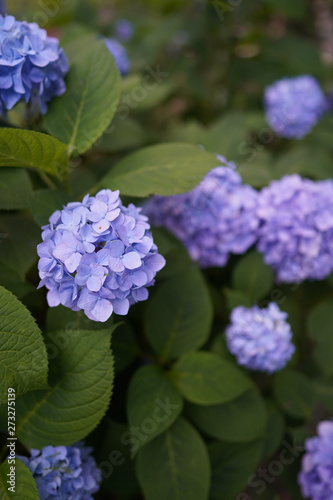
(294, 105)
(66, 472)
(260, 338)
(215, 219)
(32, 65)
(316, 476)
(124, 30)
(98, 256)
(296, 233)
(120, 55)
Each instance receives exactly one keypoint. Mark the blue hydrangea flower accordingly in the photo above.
(260, 338)
(296, 233)
(120, 55)
(294, 106)
(32, 65)
(316, 476)
(215, 219)
(98, 256)
(66, 472)
(124, 30)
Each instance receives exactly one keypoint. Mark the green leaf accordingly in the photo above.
(179, 315)
(240, 420)
(25, 148)
(46, 201)
(19, 237)
(275, 430)
(164, 169)
(253, 277)
(25, 485)
(175, 465)
(205, 378)
(324, 394)
(23, 360)
(232, 465)
(309, 160)
(63, 318)
(294, 393)
(320, 328)
(80, 387)
(84, 112)
(15, 189)
(153, 404)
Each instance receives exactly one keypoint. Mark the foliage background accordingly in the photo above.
(214, 62)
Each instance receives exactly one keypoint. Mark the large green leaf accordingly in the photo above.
(163, 169)
(23, 359)
(25, 485)
(25, 148)
(232, 465)
(320, 327)
(19, 237)
(84, 112)
(80, 387)
(175, 465)
(205, 378)
(153, 404)
(240, 420)
(295, 393)
(253, 277)
(15, 188)
(179, 315)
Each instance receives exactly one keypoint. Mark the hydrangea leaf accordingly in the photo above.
(25, 485)
(15, 189)
(232, 465)
(253, 277)
(175, 465)
(294, 393)
(205, 378)
(163, 169)
(179, 315)
(23, 359)
(84, 112)
(153, 404)
(80, 387)
(25, 148)
(240, 420)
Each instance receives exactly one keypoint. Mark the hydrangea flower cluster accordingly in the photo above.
(215, 219)
(294, 106)
(120, 55)
(124, 30)
(296, 232)
(32, 65)
(98, 256)
(316, 476)
(260, 338)
(67, 472)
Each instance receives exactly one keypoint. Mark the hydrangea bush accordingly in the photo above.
(166, 250)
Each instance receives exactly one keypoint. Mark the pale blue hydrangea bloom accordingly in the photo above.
(66, 472)
(98, 256)
(316, 476)
(215, 219)
(296, 232)
(120, 55)
(260, 338)
(294, 106)
(32, 65)
(124, 29)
